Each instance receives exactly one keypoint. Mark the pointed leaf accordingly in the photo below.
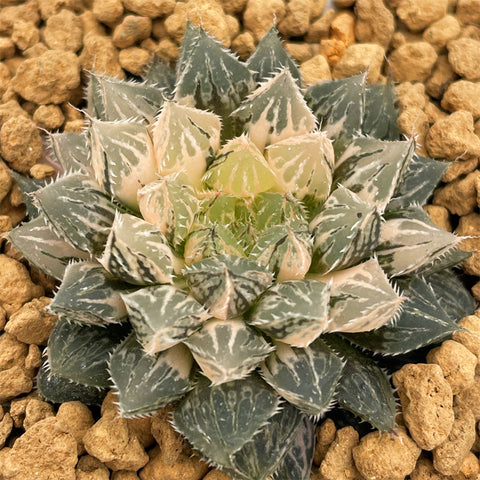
(137, 252)
(89, 294)
(273, 208)
(161, 75)
(227, 350)
(71, 151)
(78, 212)
(28, 187)
(122, 159)
(275, 111)
(227, 285)
(364, 388)
(219, 420)
(455, 257)
(372, 168)
(145, 382)
(269, 57)
(163, 316)
(305, 377)
(344, 232)
(294, 312)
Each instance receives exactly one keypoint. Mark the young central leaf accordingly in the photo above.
(240, 169)
(227, 285)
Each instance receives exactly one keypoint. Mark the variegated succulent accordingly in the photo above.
(243, 247)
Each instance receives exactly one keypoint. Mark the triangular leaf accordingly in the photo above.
(161, 75)
(71, 151)
(28, 186)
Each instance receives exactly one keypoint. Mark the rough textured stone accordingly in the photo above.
(6, 425)
(297, 18)
(320, 29)
(27, 12)
(150, 8)
(464, 57)
(13, 382)
(374, 22)
(169, 441)
(78, 419)
(135, 60)
(90, 468)
(463, 95)
(419, 14)
(439, 33)
(108, 11)
(470, 338)
(358, 58)
(35, 411)
(411, 95)
(64, 31)
(132, 29)
(315, 70)
(49, 117)
(343, 28)
(424, 470)
(260, 15)
(468, 12)
(12, 352)
(413, 62)
(243, 45)
(442, 76)
(100, 54)
(386, 456)
(25, 34)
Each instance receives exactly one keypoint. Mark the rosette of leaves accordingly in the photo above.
(239, 245)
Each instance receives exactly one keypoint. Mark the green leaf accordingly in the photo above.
(89, 294)
(275, 111)
(227, 350)
(272, 208)
(145, 382)
(410, 240)
(161, 75)
(269, 57)
(418, 182)
(183, 139)
(43, 248)
(339, 106)
(303, 165)
(78, 212)
(454, 257)
(371, 168)
(305, 377)
(421, 322)
(71, 151)
(122, 158)
(364, 388)
(226, 285)
(294, 312)
(80, 352)
(163, 316)
(219, 420)
(28, 187)
(380, 120)
(138, 253)
(345, 231)
(110, 99)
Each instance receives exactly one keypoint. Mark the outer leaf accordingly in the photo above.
(361, 298)
(269, 57)
(161, 75)
(297, 463)
(137, 252)
(364, 388)
(80, 352)
(219, 420)
(227, 350)
(110, 99)
(78, 212)
(294, 312)
(122, 159)
(303, 165)
(71, 151)
(163, 316)
(410, 240)
(43, 248)
(307, 378)
(89, 294)
(422, 322)
(146, 383)
(344, 232)
(275, 111)
(227, 285)
(454, 257)
(371, 168)
(29, 186)
(339, 107)
(285, 250)
(183, 138)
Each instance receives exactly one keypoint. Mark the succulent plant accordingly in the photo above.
(245, 248)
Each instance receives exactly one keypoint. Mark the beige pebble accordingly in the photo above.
(448, 457)
(49, 117)
(150, 8)
(338, 460)
(5, 224)
(464, 57)
(108, 11)
(64, 31)
(343, 3)
(6, 426)
(442, 31)
(170, 441)
(243, 45)
(7, 48)
(91, 26)
(74, 126)
(13, 382)
(216, 475)
(456, 361)
(5, 182)
(13, 63)
(34, 450)
(167, 50)
(12, 352)
(411, 95)
(468, 12)
(35, 51)
(463, 95)
(28, 12)
(52, 7)
(5, 77)
(469, 226)
(18, 407)
(419, 14)
(32, 323)
(124, 475)
(470, 398)
(99, 54)
(297, 18)
(413, 62)
(175, 23)
(191, 466)
(233, 7)
(470, 338)
(141, 427)
(476, 290)
(50, 78)
(25, 34)
(90, 468)
(332, 50)
(470, 468)
(299, 51)
(324, 435)
(343, 28)
(458, 168)
(135, 60)
(458, 196)
(359, 58)
(453, 137)
(35, 411)
(426, 399)
(41, 171)
(374, 22)
(413, 122)
(320, 29)
(110, 440)
(34, 357)
(442, 76)
(10, 110)
(386, 456)
(315, 70)
(233, 26)
(424, 470)
(132, 29)
(260, 15)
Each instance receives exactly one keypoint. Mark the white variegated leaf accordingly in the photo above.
(272, 208)
(227, 350)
